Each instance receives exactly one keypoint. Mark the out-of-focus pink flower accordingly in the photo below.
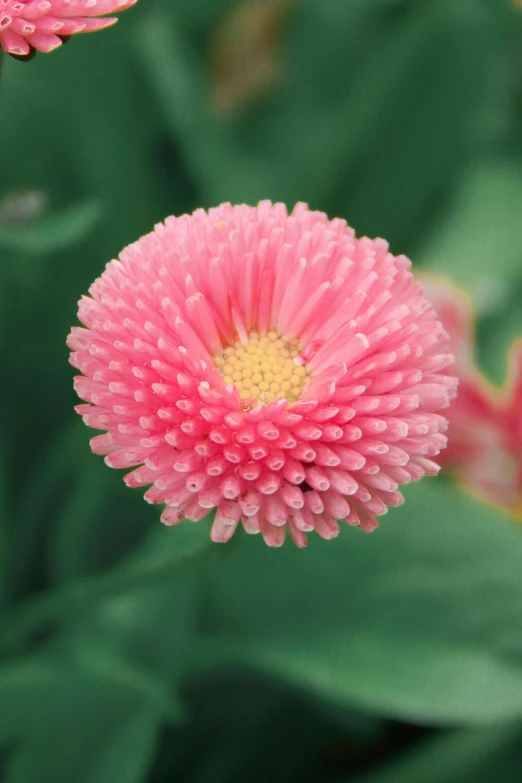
(27, 26)
(485, 434)
(272, 367)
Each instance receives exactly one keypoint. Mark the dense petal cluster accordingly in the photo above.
(27, 26)
(254, 298)
(485, 433)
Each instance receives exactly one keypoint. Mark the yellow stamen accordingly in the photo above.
(264, 369)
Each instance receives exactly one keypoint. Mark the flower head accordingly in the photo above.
(270, 366)
(485, 423)
(27, 26)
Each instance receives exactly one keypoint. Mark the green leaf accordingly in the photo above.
(377, 122)
(164, 561)
(32, 689)
(89, 750)
(184, 97)
(414, 678)
(465, 756)
(93, 723)
(127, 651)
(151, 625)
(95, 495)
(496, 333)
(76, 495)
(5, 530)
(478, 242)
(253, 731)
(57, 231)
(418, 621)
(59, 464)
(129, 755)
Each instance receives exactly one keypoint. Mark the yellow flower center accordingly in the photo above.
(266, 368)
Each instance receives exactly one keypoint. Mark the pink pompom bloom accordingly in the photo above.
(272, 367)
(27, 26)
(485, 422)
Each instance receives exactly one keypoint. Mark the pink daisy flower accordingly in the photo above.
(27, 26)
(270, 366)
(485, 422)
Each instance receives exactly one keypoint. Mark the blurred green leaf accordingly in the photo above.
(130, 753)
(388, 111)
(252, 730)
(496, 333)
(479, 244)
(61, 462)
(81, 518)
(418, 621)
(479, 247)
(135, 643)
(93, 723)
(75, 493)
(146, 568)
(184, 98)
(31, 689)
(152, 623)
(5, 531)
(465, 756)
(423, 680)
(89, 750)
(54, 231)
(287, 755)
(191, 17)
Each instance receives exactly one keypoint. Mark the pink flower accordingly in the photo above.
(29, 25)
(485, 434)
(272, 367)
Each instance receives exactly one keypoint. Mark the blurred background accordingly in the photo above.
(130, 652)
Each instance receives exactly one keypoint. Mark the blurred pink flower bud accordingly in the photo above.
(485, 433)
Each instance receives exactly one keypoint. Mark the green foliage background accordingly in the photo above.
(130, 652)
